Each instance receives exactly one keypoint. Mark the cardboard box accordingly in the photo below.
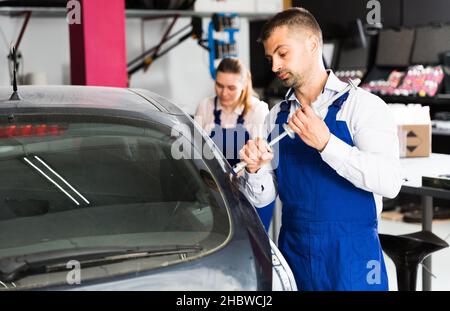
(415, 140)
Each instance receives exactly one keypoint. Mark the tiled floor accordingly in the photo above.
(440, 259)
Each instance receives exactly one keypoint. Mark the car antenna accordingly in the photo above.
(15, 95)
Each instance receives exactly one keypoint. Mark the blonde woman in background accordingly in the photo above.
(234, 115)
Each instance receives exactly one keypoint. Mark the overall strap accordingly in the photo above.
(240, 119)
(335, 107)
(284, 106)
(340, 101)
(281, 118)
(216, 112)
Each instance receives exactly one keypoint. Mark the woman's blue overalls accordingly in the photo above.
(329, 227)
(236, 138)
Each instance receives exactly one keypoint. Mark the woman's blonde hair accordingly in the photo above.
(234, 65)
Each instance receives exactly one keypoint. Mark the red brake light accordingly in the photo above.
(26, 130)
(40, 129)
(32, 130)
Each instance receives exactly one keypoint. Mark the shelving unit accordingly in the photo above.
(442, 132)
(58, 12)
(440, 137)
(440, 99)
(437, 104)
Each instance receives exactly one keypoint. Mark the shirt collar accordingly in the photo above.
(333, 84)
(238, 110)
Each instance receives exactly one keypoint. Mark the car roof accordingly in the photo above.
(72, 96)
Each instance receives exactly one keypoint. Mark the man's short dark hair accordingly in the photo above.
(293, 17)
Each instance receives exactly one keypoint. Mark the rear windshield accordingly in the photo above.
(73, 182)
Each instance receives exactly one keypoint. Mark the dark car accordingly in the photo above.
(118, 189)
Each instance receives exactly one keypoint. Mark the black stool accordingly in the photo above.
(407, 251)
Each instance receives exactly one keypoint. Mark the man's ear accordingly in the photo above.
(313, 43)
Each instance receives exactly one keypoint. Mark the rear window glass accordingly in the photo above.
(73, 184)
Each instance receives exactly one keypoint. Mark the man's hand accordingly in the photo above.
(256, 153)
(310, 128)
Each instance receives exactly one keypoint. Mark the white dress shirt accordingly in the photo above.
(372, 164)
(253, 120)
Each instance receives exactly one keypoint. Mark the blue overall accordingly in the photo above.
(329, 227)
(236, 138)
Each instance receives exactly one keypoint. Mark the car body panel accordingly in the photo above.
(244, 262)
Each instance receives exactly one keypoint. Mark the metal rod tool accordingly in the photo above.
(352, 84)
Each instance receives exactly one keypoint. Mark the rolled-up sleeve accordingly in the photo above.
(260, 188)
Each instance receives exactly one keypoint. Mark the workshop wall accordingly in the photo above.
(182, 75)
(44, 47)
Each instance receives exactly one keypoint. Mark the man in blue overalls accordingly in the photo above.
(332, 176)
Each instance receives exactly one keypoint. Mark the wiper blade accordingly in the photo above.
(13, 267)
